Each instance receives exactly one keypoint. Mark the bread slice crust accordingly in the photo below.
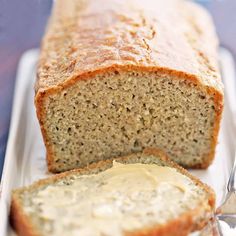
(184, 224)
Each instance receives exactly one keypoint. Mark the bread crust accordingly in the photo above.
(183, 224)
(20, 221)
(146, 43)
(146, 40)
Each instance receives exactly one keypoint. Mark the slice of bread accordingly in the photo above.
(104, 200)
(114, 78)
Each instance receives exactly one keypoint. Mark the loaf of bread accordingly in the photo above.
(140, 194)
(117, 76)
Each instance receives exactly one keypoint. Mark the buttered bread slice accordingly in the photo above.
(140, 194)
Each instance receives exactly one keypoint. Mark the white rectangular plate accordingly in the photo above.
(25, 154)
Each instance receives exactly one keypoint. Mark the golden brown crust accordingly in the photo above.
(20, 221)
(128, 37)
(173, 35)
(183, 225)
(40, 110)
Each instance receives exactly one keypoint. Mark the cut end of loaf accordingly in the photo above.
(117, 113)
